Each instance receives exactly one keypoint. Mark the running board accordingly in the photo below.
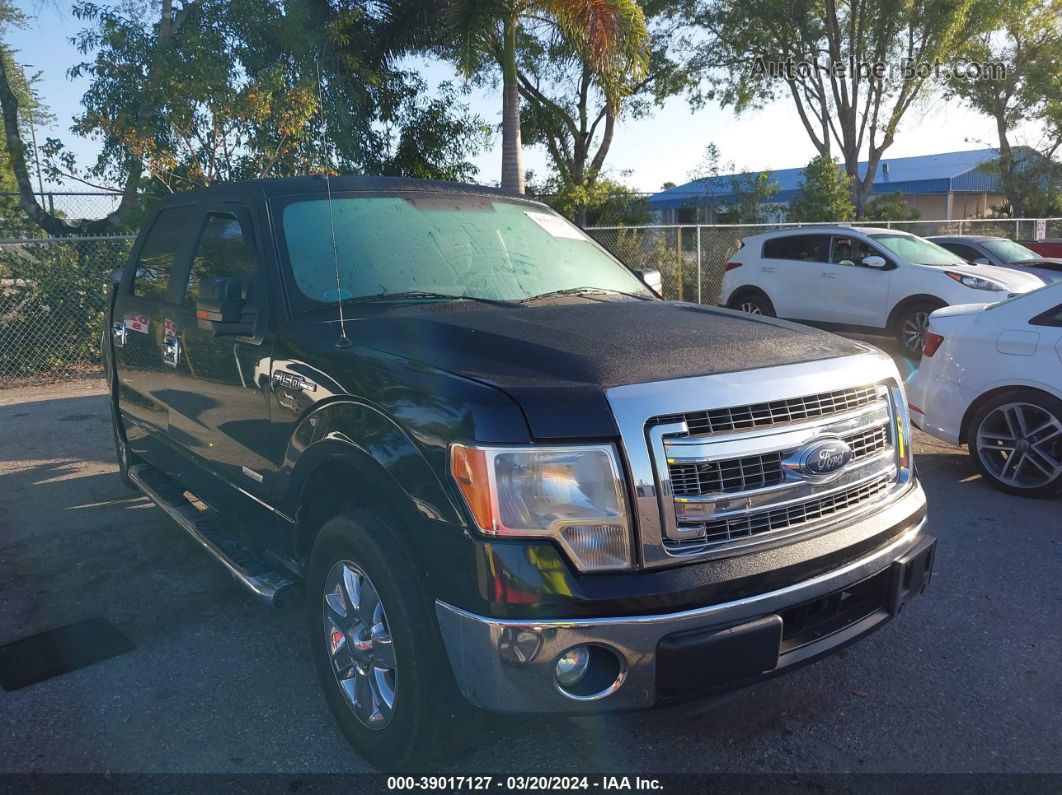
(263, 580)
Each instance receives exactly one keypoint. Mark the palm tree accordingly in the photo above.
(609, 34)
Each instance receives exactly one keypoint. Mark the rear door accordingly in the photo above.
(147, 291)
(854, 294)
(219, 402)
(789, 274)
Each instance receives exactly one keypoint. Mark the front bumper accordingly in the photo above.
(642, 661)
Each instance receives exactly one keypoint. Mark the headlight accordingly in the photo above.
(571, 494)
(976, 282)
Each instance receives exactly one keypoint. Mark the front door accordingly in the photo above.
(853, 293)
(218, 403)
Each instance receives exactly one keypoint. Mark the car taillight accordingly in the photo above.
(731, 265)
(930, 343)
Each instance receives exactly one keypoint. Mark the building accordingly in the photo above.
(952, 185)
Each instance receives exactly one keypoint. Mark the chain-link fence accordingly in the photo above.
(691, 259)
(53, 290)
(53, 293)
(75, 205)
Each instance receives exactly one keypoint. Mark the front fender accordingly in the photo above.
(355, 432)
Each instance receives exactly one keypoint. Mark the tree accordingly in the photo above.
(607, 203)
(1027, 41)
(890, 207)
(608, 35)
(736, 197)
(825, 193)
(567, 109)
(842, 64)
(239, 89)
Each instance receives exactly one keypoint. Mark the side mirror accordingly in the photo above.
(874, 261)
(653, 280)
(220, 307)
(981, 261)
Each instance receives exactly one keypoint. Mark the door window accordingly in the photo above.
(810, 248)
(849, 251)
(223, 250)
(968, 253)
(156, 258)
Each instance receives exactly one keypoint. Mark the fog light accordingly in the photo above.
(572, 665)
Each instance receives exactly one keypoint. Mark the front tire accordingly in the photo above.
(376, 645)
(1016, 441)
(754, 304)
(910, 327)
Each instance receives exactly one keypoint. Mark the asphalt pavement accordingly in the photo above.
(967, 679)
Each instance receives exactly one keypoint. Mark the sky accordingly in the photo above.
(666, 146)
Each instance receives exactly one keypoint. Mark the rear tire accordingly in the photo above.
(910, 327)
(1015, 440)
(754, 304)
(376, 644)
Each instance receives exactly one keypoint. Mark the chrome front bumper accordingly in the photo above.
(508, 665)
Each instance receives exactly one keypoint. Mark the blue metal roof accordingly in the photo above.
(941, 173)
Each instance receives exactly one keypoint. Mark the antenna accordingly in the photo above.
(343, 341)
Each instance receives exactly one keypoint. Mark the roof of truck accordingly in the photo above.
(317, 183)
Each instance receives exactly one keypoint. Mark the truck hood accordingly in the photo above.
(557, 360)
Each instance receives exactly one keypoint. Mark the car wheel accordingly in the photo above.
(1016, 441)
(376, 644)
(754, 304)
(121, 450)
(911, 327)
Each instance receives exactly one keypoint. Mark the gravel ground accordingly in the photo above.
(966, 680)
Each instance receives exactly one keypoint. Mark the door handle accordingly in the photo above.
(118, 332)
(829, 275)
(171, 351)
(766, 269)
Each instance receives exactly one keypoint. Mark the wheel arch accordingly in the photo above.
(981, 400)
(747, 289)
(909, 301)
(348, 454)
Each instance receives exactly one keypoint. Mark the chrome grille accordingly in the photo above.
(789, 517)
(757, 471)
(775, 412)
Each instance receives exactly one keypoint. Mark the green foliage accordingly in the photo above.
(825, 193)
(735, 198)
(1026, 38)
(52, 304)
(890, 207)
(607, 203)
(241, 89)
(803, 50)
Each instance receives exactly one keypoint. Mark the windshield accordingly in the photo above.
(917, 250)
(1010, 252)
(442, 243)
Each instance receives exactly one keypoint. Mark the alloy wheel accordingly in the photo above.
(358, 641)
(913, 331)
(1020, 444)
(750, 307)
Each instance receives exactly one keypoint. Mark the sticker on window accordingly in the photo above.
(137, 323)
(557, 227)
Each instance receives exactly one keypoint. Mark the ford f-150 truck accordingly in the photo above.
(494, 462)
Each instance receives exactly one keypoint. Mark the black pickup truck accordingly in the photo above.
(494, 462)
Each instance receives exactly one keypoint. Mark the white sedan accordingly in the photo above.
(991, 377)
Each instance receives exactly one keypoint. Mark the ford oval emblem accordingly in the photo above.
(823, 458)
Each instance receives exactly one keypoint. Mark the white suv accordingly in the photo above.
(870, 278)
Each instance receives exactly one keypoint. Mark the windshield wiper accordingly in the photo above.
(584, 291)
(411, 294)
